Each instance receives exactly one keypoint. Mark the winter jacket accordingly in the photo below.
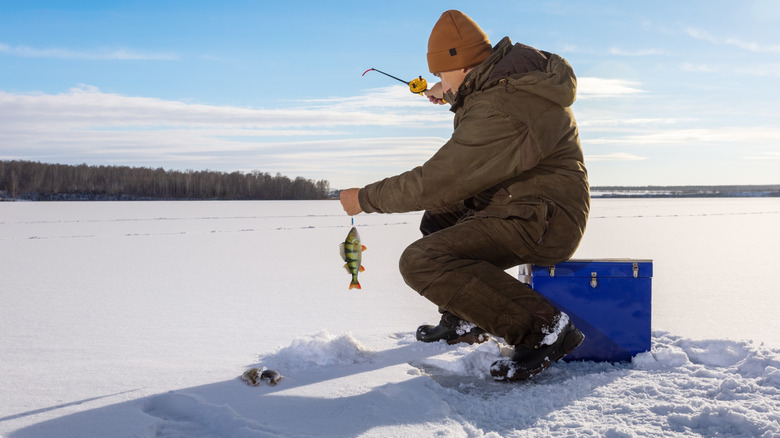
(514, 152)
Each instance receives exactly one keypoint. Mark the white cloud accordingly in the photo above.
(699, 68)
(569, 48)
(761, 69)
(348, 141)
(700, 34)
(395, 96)
(751, 46)
(89, 107)
(600, 87)
(616, 156)
(765, 156)
(642, 52)
(121, 54)
(694, 137)
(594, 124)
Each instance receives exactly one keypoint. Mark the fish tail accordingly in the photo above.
(355, 284)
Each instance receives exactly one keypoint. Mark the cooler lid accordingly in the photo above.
(605, 268)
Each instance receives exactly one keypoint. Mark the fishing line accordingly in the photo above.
(416, 86)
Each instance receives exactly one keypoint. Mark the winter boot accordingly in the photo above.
(527, 362)
(453, 330)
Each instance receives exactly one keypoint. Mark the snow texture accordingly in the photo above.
(138, 319)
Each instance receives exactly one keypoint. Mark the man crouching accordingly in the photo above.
(508, 188)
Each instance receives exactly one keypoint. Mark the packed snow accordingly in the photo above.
(137, 319)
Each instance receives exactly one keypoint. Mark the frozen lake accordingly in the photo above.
(105, 303)
(715, 260)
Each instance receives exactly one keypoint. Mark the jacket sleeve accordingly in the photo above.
(486, 148)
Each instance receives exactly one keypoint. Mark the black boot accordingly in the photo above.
(453, 330)
(527, 362)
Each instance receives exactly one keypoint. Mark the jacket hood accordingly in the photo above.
(524, 68)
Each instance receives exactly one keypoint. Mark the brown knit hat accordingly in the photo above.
(456, 41)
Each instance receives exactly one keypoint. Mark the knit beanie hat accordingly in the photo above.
(456, 41)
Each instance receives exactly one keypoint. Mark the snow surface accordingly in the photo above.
(137, 319)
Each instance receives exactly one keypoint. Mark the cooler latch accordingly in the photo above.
(636, 269)
(593, 281)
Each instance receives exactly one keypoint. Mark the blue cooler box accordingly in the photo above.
(607, 299)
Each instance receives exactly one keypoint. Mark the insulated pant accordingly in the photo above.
(460, 264)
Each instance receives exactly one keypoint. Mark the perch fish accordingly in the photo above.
(351, 251)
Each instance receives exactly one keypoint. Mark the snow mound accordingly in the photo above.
(319, 350)
(681, 387)
(660, 358)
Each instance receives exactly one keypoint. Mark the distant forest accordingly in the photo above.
(734, 191)
(51, 182)
(44, 182)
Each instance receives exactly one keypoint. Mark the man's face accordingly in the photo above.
(451, 80)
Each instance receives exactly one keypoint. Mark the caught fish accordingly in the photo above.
(351, 252)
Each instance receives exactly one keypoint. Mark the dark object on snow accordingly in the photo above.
(453, 330)
(272, 377)
(526, 362)
(255, 377)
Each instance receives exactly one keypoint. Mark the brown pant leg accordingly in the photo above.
(461, 269)
(435, 220)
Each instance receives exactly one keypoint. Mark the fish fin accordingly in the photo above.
(342, 251)
(347, 268)
(363, 247)
(355, 285)
(362, 268)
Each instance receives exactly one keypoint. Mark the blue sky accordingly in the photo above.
(670, 92)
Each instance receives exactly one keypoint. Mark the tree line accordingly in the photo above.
(40, 181)
(724, 191)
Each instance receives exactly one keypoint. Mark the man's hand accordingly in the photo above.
(350, 202)
(435, 94)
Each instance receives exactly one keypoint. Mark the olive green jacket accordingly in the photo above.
(514, 153)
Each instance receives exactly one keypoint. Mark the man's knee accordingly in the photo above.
(415, 266)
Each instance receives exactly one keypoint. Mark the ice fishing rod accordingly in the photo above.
(417, 86)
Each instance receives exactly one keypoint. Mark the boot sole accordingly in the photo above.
(469, 338)
(507, 373)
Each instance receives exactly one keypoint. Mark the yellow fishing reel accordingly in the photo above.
(418, 85)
